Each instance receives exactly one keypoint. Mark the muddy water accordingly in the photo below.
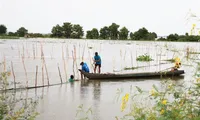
(61, 102)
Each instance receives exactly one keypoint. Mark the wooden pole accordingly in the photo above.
(33, 51)
(46, 71)
(36, 50)
(42, 75)
(44, 63)
(25, 72)
(13, 74)
(63, 58)
(18, 50)
(23, 50)
(60, 74)
(36, 76)
(73, 63)
(83, 53)
(4, 63)
(131, 59)
(76, 61)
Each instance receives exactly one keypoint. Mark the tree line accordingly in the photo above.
(67, 30)
(111, 32)
(21, 32)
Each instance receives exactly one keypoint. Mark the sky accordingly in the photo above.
(39, 16)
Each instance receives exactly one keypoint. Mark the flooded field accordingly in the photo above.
(37, 62)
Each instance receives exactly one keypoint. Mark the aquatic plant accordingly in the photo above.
(170, 102)
(13, 108)
(82, 113)
(144, 57)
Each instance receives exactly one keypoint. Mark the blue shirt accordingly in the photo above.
(97, 58)
(85, 68)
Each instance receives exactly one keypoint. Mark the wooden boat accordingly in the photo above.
(95, 76)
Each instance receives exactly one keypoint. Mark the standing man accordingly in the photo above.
(97, 61)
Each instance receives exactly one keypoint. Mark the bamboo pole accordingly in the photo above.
(18, 50)
(13, 73)
(23, 50)
(83, 53)
(36, 50)
(125, 57)
(46, 71)
(73, 63)
(42, 75)
(65, 68)
(75, 60)
(33, 51)
(59, 74)
(62, 52)
(41, 48)
(121, 58)
(52, 52)
(36, 76)
(90, 59)
(4, 63)
(26, 99)
(131, 59)
(25, 72)
(66, 52)
(27, 52)
(44, 63)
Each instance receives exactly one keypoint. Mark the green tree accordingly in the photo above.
(173, 37)
(132, 37)
(77, 31)
(57, 31)
(89, 34)
(141, 34)
(162, 39)
(12, 34)
(151, 36)
(93, 34)
(114, 31)
(123, 34)
(67, 29)
(104, 33)
(3, 29)
(21, 32)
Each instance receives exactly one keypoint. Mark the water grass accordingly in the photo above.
(169, 60)
(144, 58)
(131, 68)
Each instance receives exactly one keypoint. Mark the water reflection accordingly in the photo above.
(96, 97)
(84, 89)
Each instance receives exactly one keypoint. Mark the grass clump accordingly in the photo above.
(170, 60)
(144, 57)
(131, 68)
(9, 37)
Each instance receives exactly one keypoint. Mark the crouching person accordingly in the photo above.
(84, 68)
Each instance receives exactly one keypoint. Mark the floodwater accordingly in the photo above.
(61, 102)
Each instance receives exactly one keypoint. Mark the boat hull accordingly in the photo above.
(96, 76)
